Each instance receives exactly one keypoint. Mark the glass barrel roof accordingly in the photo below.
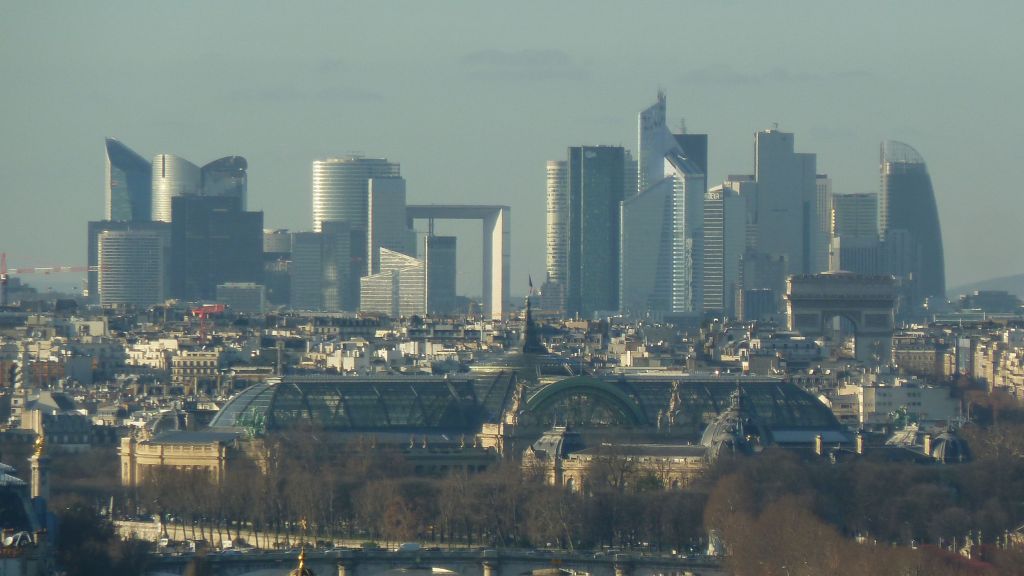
(776, 404)
(245, 408)
(689, 403)
(426, 403)
(354, 404)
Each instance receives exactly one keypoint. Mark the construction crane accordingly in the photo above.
(203, 312)
(5, 274)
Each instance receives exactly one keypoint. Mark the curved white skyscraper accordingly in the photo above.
(341, 188)
(172, 176)
(558, 221)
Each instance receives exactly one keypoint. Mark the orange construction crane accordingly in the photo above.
(203, 312)
(5, 274)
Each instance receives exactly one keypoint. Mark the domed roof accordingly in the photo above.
(737, 430)
(950, 448)
(558, 442)
(164, 422)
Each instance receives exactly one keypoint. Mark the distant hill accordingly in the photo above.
(1012, 284)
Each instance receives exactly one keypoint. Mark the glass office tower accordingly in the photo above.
(129, 186)
(907, 211)
(596, 187)
(226, 176)
(172, 176)
(131, 267)
(341, 188)
(213, 242)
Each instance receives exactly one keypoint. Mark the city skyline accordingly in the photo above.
(526, 97)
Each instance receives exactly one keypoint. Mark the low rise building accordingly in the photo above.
(927, 405)
(193, 368)
(206, 451)
(244, 297)
(155, 354)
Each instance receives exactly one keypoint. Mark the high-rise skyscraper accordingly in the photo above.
(646, 250)
(341, 244)
(341, 187)
(596, 184)
(95, 228)
(277, 242)
(725, 235)
(388, 225)
(821, 234)
(907, 203)
(277, 253)
(213, 242)
(787, 206)
(661, 248)
(131, 267)
(399, 289)
(321, 270)
(341, 192)
(306, 271)
(789, 218)
(129, 184)
(855, 215)
(662, 243)
(694, 148)
(440, 257)
(557, 234)
(630, 173)
(653, 141)
(226, 176)
(855, 244)
(173, 176)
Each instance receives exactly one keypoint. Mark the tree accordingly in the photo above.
(553, 516)
(83, 543)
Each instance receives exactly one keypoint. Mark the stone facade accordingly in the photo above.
(206, 451)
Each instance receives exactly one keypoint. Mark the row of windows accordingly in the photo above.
(190, 363)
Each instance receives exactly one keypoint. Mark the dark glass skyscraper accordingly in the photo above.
(226, 176)
(596, 187)
(213, 242)
(439, 254)
(129, 192)
(907, 209)
(695, 149)
(341, 263)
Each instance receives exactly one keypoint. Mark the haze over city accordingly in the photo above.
(574, 288)
(473, 99)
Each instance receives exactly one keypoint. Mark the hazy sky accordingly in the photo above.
(473, 97)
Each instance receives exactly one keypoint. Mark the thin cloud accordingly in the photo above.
(727, 76)
(288, 93)
(523, 65)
